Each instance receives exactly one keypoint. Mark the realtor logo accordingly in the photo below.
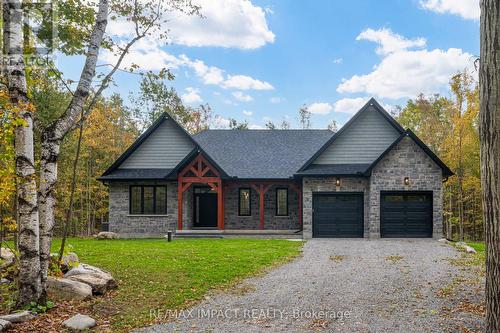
(38, 19)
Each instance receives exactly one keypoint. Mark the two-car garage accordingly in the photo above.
(402, 214)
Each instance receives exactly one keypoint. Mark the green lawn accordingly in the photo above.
(154, 274)
(478, 246)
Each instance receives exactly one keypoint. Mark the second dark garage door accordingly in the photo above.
(338, 215)
(406, 214)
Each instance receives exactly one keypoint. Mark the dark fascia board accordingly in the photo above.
(164, 116)
(408, 133)
(371, 102)
(354, 175)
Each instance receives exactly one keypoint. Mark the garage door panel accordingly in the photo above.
(338, 215)
(407, 214)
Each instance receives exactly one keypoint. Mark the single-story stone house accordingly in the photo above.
(371, 179)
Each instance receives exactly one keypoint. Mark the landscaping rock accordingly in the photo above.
(107, 235)
(6, 253)
(460, 244)
(79, 322)
(99, 283)
(66, 289)
(5, 281)
(4, 324)
(98, 279)
(443, 240)
(18, 317)
(469, 249)
(8, 258)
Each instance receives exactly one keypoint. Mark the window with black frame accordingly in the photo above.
(282, 202)
(244, 202)
(148, 200)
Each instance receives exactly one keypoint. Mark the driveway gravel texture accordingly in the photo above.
(341, 285)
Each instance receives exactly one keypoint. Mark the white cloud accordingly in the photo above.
(220, 122)
(148, 55)
(247, 113)
(468, 9)
(225, 23)
(404, 73)
(349, 105)
(244, 82)
(320, 108)
(242, 97)
(338, 61)
(389, 41)
(255, 126)
(208, 74)
(191, 96)
(276, 100)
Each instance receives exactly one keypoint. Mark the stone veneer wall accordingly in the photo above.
(407, 159)
(327, 184)
(121, 222)
(271, 221)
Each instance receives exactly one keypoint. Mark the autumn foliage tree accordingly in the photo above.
(449, 125)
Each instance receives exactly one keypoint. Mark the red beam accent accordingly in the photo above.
(200, 179)
(220, 210)
(179, 206)
(222, 189)
(261, 206)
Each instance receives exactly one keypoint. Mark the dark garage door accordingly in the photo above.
(338, 215)
(406, 214)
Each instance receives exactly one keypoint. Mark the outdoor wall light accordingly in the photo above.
(407, 181)
(337, 182)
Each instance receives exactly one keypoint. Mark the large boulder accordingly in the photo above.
(79, 322)
(107, 235)
(98, 279)
(99, 283)
(66, 289)
(18, 317)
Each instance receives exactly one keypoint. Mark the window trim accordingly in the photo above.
(287, 201)
(141, 213)
(249, 201)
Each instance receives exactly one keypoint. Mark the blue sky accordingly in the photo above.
(262, 60)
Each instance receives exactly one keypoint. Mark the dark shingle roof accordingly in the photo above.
(334, 169)
(136, 174)
(261, 154)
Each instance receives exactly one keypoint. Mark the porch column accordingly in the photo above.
(220, 206)
(261, 189)
(179, 206)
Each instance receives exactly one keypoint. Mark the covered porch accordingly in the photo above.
(218, 205)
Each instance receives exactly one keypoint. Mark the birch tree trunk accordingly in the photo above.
(53, 135)
(489, 117)
(27, 203)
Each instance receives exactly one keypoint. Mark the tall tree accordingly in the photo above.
(30, 285)
(489, 80)
(147, 18)
(305, 117)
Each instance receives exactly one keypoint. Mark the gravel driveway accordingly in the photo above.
(344, 286)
